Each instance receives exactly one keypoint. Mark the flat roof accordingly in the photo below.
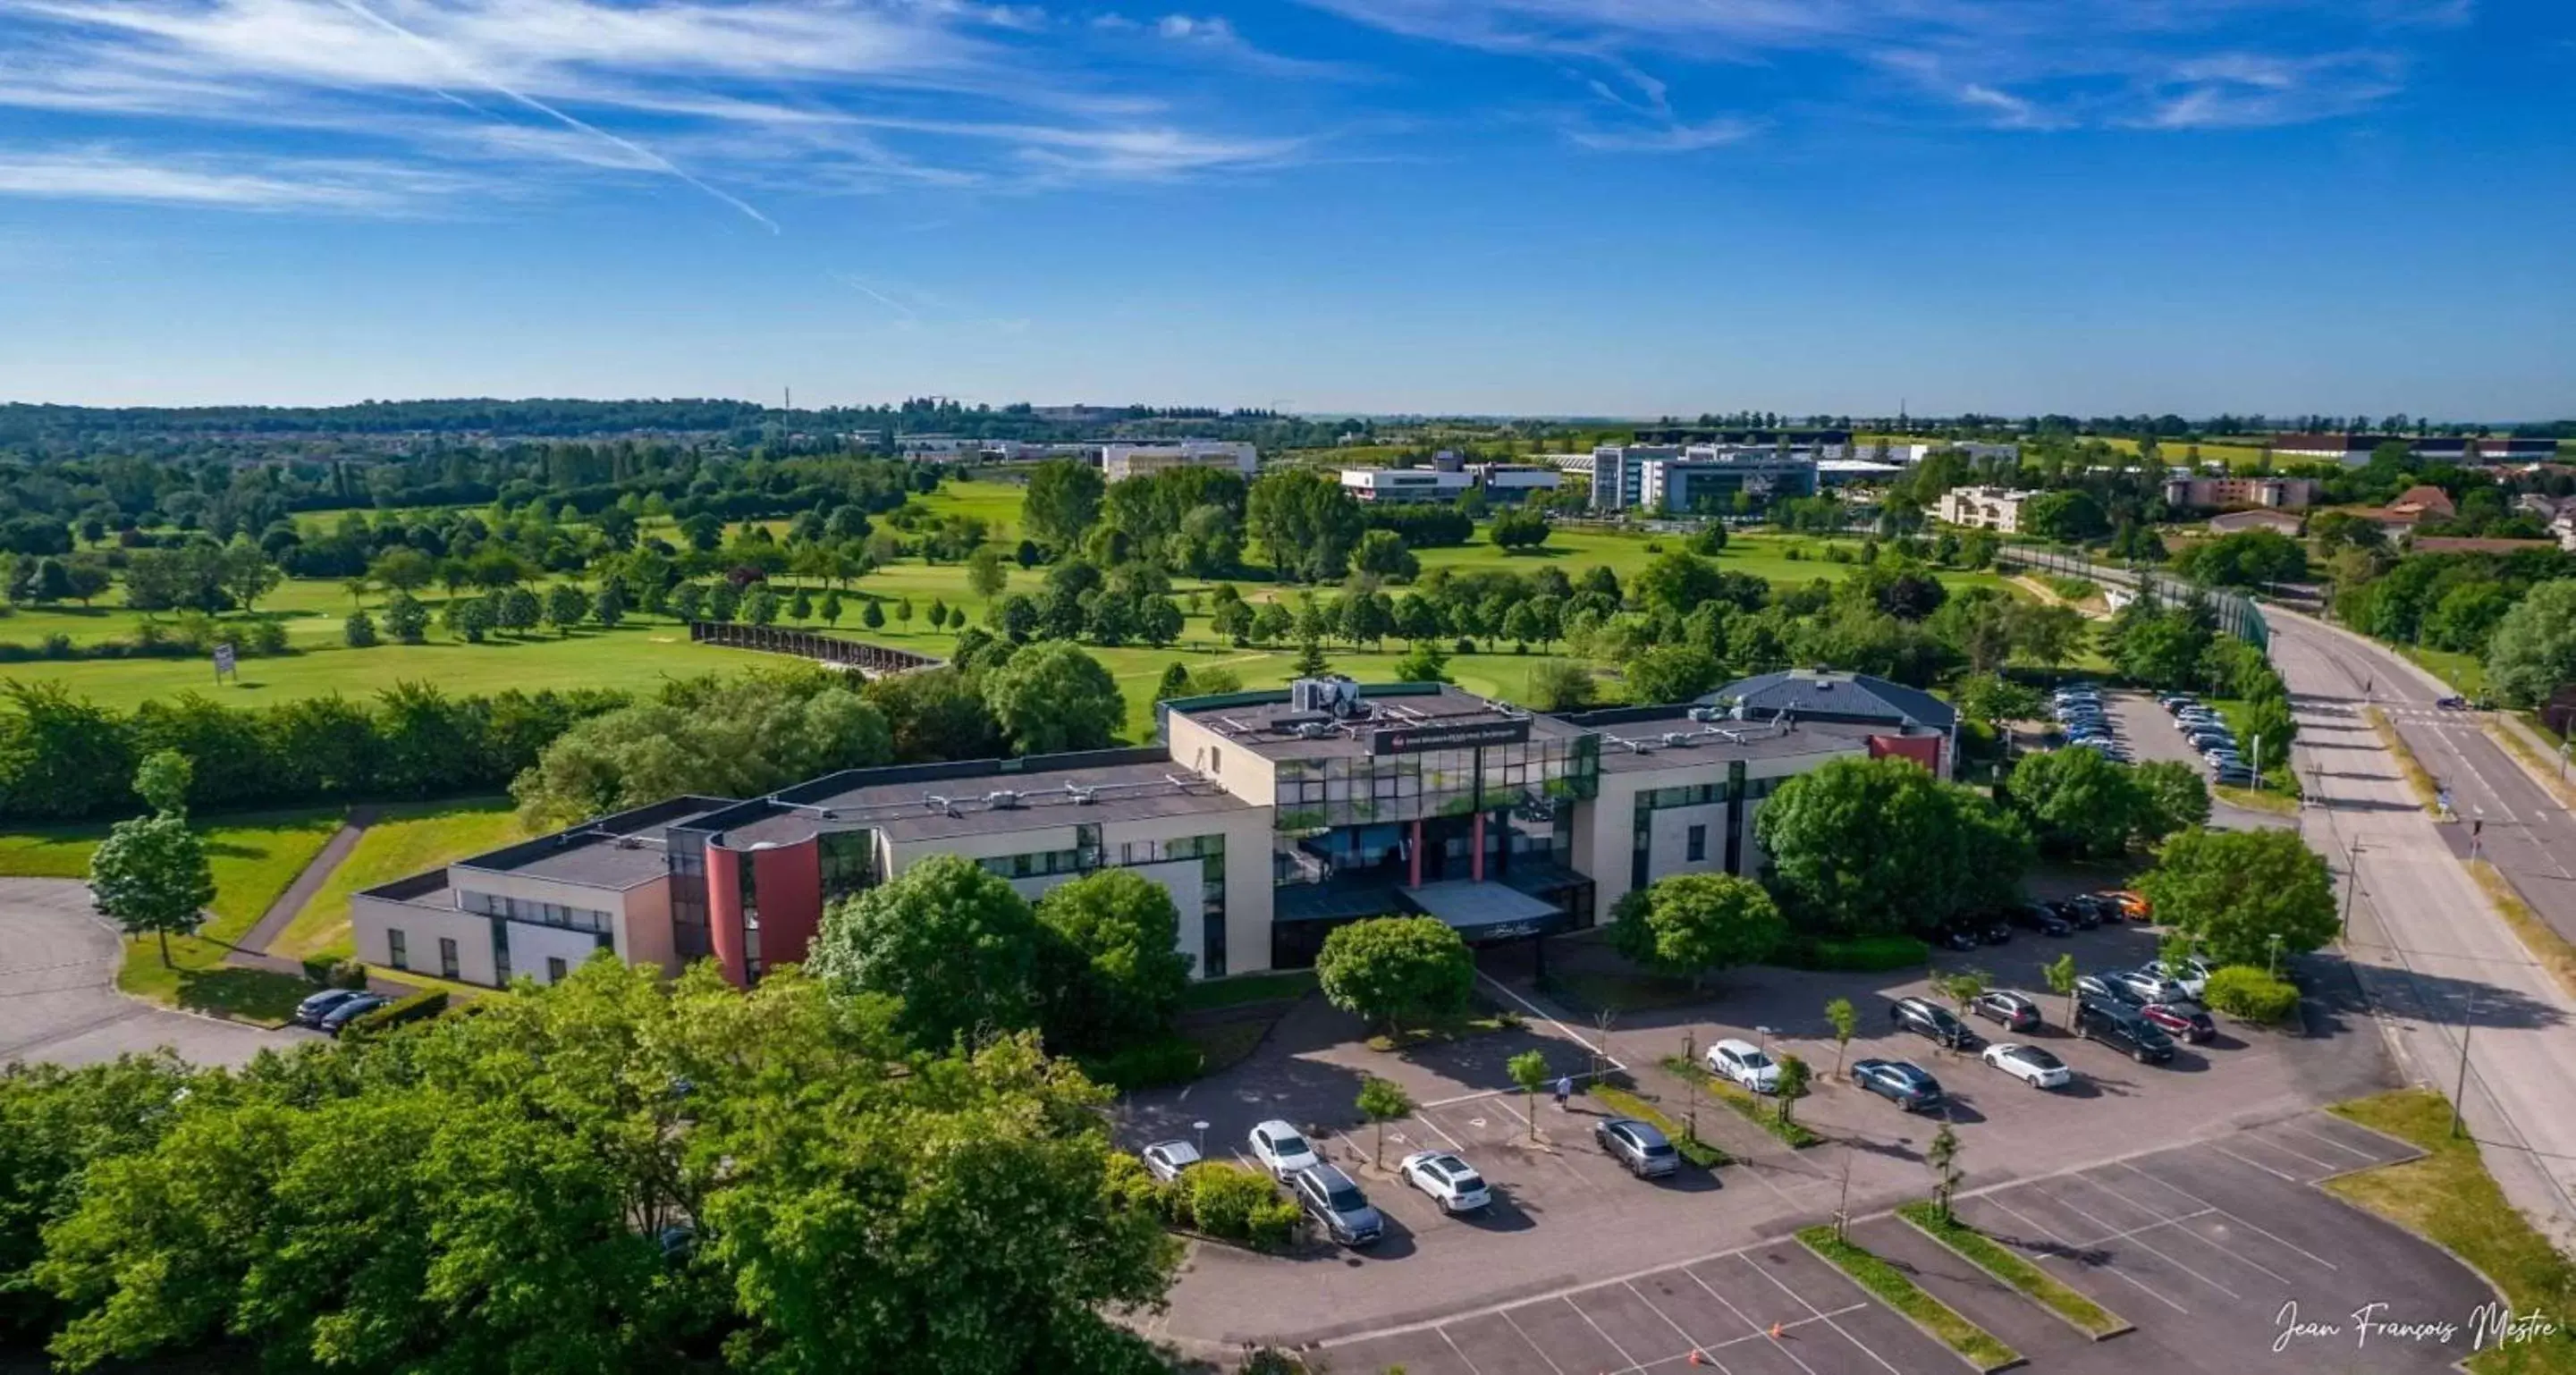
(618, 851)
(917, 804)
(1712, 742)
(1265, 722)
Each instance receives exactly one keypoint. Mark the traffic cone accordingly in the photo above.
(1697, 1359)
(1775, 1331)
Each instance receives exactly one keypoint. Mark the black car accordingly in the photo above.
(1905, 1085)
(2124, 1029)
(1931, 1021)
(312, 1010)
(350, 1010)
(1638, 1146)
(1956, 938)
(2077, 913)
(1993, 928)
(2041, 920)
(2011, 1011)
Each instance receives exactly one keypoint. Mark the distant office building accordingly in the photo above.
(1842, 472)
(1375, 485)
(1119, 462)
(1701, 479)
(1619, 473)
(2354, 450)
(2278, 493)
(1823, 443)
(1913, 451)
(1984, 508)
(1505, 483)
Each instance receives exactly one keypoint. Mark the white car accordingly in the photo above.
(2191, 972)
(1282, 1149)
(1165, 1160)
(2029, 1064)
(1451, 1182)
(1742, 1063)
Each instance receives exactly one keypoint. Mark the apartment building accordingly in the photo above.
(1270, 817)
(1119, 462)
(1983, 508)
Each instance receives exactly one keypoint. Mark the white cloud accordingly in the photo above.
(1669, 138)
(111, 174)
(2240, 90)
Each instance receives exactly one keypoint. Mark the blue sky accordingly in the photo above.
(1525, 206)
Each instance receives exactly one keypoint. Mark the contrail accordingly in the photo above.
(651, 158)
(864, 289)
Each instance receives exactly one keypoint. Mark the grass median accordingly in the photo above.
(1984, 1252)
(2549, 950)
(1760, 1111)
(1981, 1348)
(2448, 1197)
(1691, 1148)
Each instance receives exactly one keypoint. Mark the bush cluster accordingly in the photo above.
(1232, 1203)
(418, 1007)
(2251, 994)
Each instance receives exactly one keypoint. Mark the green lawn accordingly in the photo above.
(1980, 1347)
(254, 856)
(2449, 1198)
(2466, 673)
(403, 841)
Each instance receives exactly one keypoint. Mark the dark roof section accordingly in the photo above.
(617, 851)
(1264, 722)
(914, 802)
(1823, 695)
(1635, 739)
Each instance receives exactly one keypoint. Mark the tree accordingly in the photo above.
(566, 606)
(1792, 1085)
(1557, 685)
(248, 572)
(2060, 973)
(987, 571)
(689, 601)
(359, 630)
(872, 614)
(2045, 635)
(936, 714)
(1272, 623)
(1053, 697)
(1943, 1156)
(2174, 797)
(2067, 514)
(1961, 986)
(1424, 663)
(831, 610)
(761, 607)
(1860, 845)
(1306, 522)
(1382, 1101)
(467, 618)
(150, 875)
(2533, 650)
(1233, 620)
(1063, 503)
(724, 600)
(1310, 661)
(742, 738)
(608, 606)
(1672, 673)
(1159, 621)
(1125, 972)
(2080, 803)
(1387, 969)
(948, 940)
(1691, 924)
(1529, 1070)
(162, 780)
(518, 610)
(1845, 1020)
(1519, 528)
(1382, 553)
(2237, 892)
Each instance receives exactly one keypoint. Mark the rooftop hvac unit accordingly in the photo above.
(1705, 714)
(1332, 695)
(1082, 797)
(1676, 738)
(1001, 799)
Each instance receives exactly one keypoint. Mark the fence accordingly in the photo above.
(2237, 615)
(876, 661)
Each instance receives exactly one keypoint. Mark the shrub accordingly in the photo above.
(1274, 1224)
(335, 973)
(417, 1007)
(1858, 954)
(2250, 994)
(1150, 1064)
(1222, 1200)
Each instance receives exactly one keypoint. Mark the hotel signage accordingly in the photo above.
(1415, 739)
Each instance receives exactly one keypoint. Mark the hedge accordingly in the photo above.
(1151, 1064)
(333, 972)
(2250, 994)
(417, 1007)
(1232, 1203)
(1858, 954)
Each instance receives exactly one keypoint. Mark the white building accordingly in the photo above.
(1119, 462)
(1373, 485)
(1984, 508)
(1510, 482)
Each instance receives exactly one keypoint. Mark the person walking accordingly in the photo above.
(1564, 1090)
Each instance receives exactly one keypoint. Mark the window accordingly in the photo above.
(555, 969)
(397, 953)
(1698, 843)
(446, 958)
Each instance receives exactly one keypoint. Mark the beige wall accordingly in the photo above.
(372, 920)
(1238, 769)
(1605, 839)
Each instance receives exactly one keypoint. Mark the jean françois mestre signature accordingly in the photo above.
(2488, 1325)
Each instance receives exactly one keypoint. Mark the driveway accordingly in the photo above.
(58, 998)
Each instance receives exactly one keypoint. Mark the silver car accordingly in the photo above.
(1337, 1205)
(1165, 1160)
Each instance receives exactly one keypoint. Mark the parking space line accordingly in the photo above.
(1471, 1365)
(2327, 1166)
(2114, 1271)
(1550, 1018)
(1626, 1360)
(1757, 1331)
(2354, 1151)
(1801, 1301)
(2275, 1239)
(1433, 1123)
(2142, 1245)
(1525, 1341)
(1687, 1340)
(2123, 1236)
(2257, 1164)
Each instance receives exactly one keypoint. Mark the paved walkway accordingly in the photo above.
(252, 949)
(58, 995)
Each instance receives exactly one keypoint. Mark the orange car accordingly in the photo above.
(2132, 903)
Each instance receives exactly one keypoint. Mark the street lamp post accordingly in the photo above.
(2272, 966)
(1200, 1129)
(2351, 883)
(2468, 1011)
(1763, 1039)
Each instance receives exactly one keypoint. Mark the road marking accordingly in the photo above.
(1776, 1344)
(1525, 1341)
(2106, 1267)
(1471, 1365)
(1550, 1018)
(1426, 1119)
(2143, 1245)
(1625, 1359)
(1802, 1303)
(1687, 1342)
(2326, 1166)
(2133, 1231)
(2257, 1164)
(2321, 1137)
(2232, 1217)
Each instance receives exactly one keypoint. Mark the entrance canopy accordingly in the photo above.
(1486, 910)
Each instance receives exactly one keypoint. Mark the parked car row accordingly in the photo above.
(1328, 1196)
(2140, 1013)
(2211, 737)
(2086, 722)
(333, 1009)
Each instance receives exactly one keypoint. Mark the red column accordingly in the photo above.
(1476, 852)
(791, 900)
(1416, 854)
(724, 911)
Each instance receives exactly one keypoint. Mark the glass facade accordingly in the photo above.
(1349, 790)
(750, 888)
(1088, 854)
(849, 862)
(537, 913)
(688, 856)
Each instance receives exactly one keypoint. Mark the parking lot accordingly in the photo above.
(2200, 1247)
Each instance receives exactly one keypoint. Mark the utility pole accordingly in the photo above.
(2351, 883)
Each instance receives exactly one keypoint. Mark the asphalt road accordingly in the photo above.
(58, 998)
